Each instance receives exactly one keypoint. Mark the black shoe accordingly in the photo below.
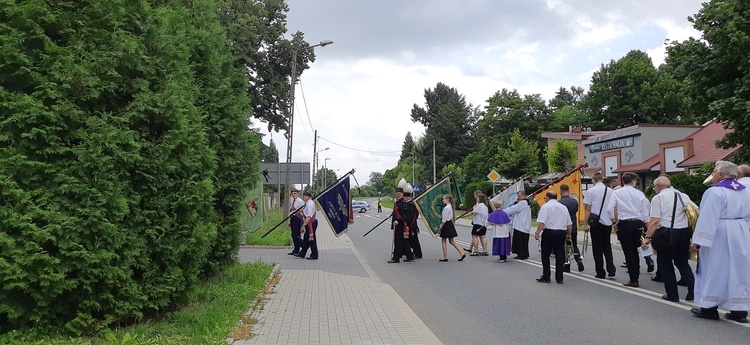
(462, 258)
(599, 276)
(542, 279)
(612, 274)
(711, 314)
(681, 283)
(580, 266)
(312, 258)
(664, 297)
(650, 268)
(656, 279)
(467, 250)
(559, 281)
(689, 296)
(417, 256)
(566, 268)
(292, 253)
(392, 261)
(737, 318)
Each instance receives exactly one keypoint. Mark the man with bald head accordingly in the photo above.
(555, 221)
(744, 176)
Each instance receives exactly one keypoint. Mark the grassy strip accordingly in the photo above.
(214, 309)
(279, 237)
(385, 202)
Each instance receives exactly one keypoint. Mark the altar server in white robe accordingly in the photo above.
(722, 240)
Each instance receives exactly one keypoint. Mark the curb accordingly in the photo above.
(252, 310)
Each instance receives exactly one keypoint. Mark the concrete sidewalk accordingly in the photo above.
(334, 300)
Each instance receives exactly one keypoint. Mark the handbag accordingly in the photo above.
(690, 213)
(662, 239)
(594, 218)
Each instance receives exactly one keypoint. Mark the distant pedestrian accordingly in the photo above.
(722, 241)
(309, 226)
(499, 221)
(380, 205)
(295, 221)
(479, 225)
(447, 229)
(521, 224)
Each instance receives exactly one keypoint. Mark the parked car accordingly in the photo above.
(360, 206)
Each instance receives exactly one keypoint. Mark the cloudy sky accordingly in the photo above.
(359, 92)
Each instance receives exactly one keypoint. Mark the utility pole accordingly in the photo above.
(434, 174)
(315, 150)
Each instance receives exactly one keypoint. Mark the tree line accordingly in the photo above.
(701, 79)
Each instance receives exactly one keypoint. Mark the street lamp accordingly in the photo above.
(325, 172)
(290, 112)
(315, 164)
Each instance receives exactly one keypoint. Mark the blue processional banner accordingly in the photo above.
(336, 206)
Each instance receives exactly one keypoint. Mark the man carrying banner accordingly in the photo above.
(413, 229)
(295, 221)
(521, 212)
(401, 220)
(309, 225)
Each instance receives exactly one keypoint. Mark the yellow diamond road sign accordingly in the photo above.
(493, 176)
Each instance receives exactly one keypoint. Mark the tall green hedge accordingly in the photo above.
(124, 147)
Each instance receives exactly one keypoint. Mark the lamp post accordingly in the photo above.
(290, 112)
(315, 165)
(325, 172)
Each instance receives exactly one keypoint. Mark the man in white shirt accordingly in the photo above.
(598, 201)
(631, 215)
(309, 227)
(554, 220)
(520, 211)
(668, 211)
(295, 221)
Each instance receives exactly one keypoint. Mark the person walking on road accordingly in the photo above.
(295, 221)
(447, 229)
(665, 213)
(554, 220)
(631, 216)
(600, 212)
(414, 244)
(500, 223)
(722, 241)
(521, 224)
(572, 206)
(309, 225)
(402, 217)
(479, 225)
(380, 205)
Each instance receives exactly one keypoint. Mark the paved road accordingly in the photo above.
(481, 300)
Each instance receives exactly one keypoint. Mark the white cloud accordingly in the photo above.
(360, 91)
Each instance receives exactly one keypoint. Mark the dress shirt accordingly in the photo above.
(448, 213)
(593, 198)
(662, 204)
(297, 203)
(631, 204)
(554, 215)
(310, 208)
(521, 213)
(480, 217)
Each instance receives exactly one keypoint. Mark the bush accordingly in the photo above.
(692, 185)
(469, 201)
(113, 182)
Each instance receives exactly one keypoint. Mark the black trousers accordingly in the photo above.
(414, 242)
(401, 244)
(679, 254)
(601, 246)
(296, 225)
(553, 239)
(310, 244)
(629, 233)
(521, 244)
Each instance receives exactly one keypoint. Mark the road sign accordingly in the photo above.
(493, 176)
(274, 173)
(416, 188)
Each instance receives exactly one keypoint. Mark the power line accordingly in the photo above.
(360, 150)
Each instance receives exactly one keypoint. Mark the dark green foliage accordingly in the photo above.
(484, 186)
(124, 147)
(692, 185)
(562, 156)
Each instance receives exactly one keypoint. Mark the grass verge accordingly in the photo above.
(214, 309)
(279, 237)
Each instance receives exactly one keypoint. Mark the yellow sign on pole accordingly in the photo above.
(493, 176)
